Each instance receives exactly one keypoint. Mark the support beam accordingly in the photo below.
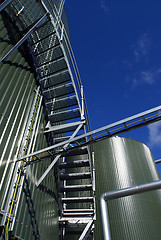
(24, 38)
(124, 192)
(134, 123)
(5, 4)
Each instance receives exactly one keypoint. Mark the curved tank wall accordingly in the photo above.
(37, 215)
(121, 163)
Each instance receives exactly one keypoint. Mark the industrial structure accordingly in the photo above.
(53, 168)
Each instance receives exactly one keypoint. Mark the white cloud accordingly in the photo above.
(146, 77)
(154, 134)
(104, 6)
(142, 47)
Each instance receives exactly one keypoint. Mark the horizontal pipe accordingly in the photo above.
(118, 194)
(158, 161)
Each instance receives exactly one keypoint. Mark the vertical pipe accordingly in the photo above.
(104, 219)
(118, 194)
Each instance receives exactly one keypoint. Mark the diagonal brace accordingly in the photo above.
(5, 4)
(57, 157)
(24, 38)
(86, 230)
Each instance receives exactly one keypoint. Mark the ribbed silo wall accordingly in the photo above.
(121, 163)
(37, 215)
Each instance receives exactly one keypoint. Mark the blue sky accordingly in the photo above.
(117, 45)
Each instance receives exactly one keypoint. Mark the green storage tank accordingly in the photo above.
(122, 163)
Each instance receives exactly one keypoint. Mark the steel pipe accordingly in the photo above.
(158, 161)
(105, 225)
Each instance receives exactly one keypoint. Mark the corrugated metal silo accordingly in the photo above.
(121, 163)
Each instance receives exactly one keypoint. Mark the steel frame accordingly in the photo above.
(116, 128)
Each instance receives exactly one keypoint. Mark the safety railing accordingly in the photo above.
(125, 125)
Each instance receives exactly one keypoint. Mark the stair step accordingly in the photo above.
(64, 115)
(75, 232)
(71, 176)
(62, 129)
(61, 103)
(63, 89)
(78, 210)
(60, 139)
(49, 74)
(73, 164)
(77, 199)
(77, 214)
(55, 79)
(75, 152)
(42, 39)
(73, 188)
(47, 49)
(76, 222)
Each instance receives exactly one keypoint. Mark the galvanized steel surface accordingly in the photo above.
(122, 163)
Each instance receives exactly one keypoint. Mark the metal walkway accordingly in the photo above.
(122, 126)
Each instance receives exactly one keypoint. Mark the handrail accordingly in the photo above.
(73, 61)
(121, 126)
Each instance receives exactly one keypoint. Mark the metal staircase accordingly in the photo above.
(68, 125)
(64, 104)
(65, 109)
(76, 188)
